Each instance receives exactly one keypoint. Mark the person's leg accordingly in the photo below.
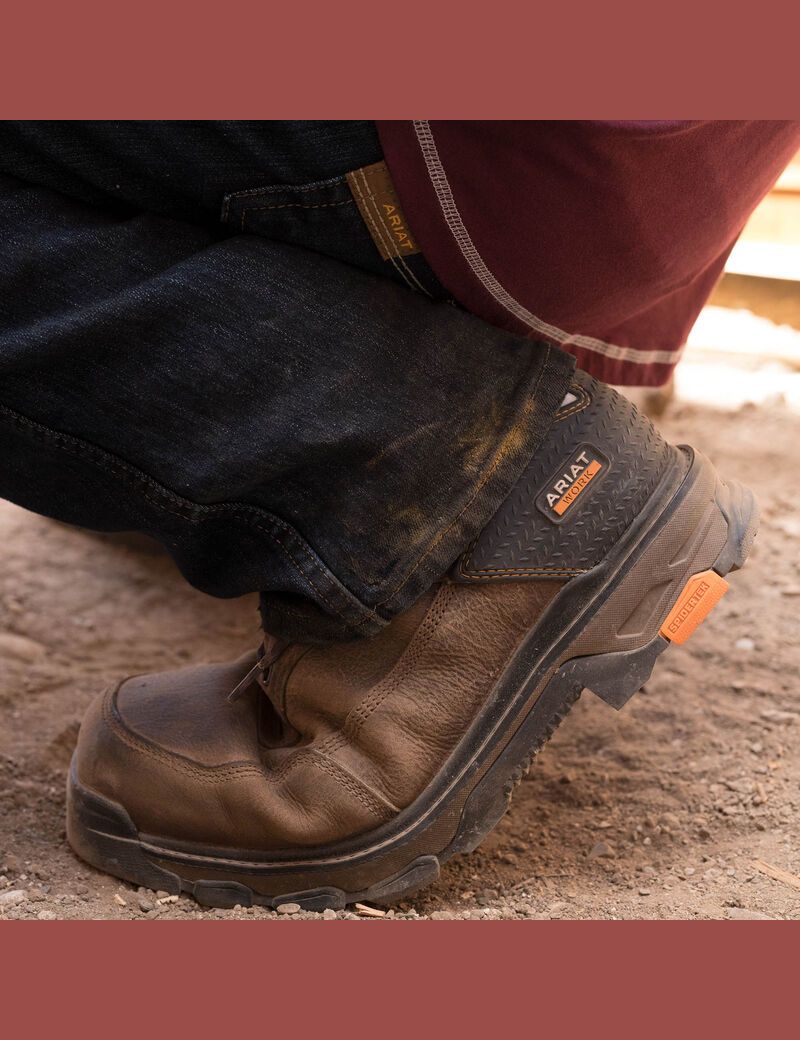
(280, 420)
(285, 422)
(284, 180)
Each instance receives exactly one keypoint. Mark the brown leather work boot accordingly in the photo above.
(326, 774)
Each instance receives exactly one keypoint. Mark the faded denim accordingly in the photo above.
(250, 384)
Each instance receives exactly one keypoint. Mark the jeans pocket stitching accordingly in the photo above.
(292, 205)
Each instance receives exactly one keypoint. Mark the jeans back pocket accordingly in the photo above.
(322, 216)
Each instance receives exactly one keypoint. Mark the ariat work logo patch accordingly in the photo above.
(574, 482)
(379, 207)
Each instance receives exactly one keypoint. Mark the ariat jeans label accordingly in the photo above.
(574, 482)
(379, 206)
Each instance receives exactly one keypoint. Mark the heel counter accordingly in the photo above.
(598, 465)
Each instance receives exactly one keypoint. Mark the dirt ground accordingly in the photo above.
(683, 805)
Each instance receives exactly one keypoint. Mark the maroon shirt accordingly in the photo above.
(605, 238)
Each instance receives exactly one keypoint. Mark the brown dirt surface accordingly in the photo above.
(663, 810)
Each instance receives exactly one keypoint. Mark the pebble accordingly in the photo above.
(36, 895)
(46, 915)
(12, 864)
(644, 891)
(601, 850)
(745, 644)
(21, 648)
(740, 913)
(289, 908)
(12, 897)
(146, 905)
(328, 915)
(773, 715)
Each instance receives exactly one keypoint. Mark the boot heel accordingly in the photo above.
(615, 676)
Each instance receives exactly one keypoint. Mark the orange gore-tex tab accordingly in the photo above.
(700, 595)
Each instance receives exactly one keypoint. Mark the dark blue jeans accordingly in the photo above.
(199, 340)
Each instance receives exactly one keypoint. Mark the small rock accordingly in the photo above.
(670, 821)
(644, 891)
(328, 914)
(289, 908)
(773, 715)
(119, 900)
(601, 850)
(21, 648)
(745, 644)
(36, 895)
(46, 915)
(146, 905)
(12, 897)
(441, 915)
(740, 913)
(13, 864)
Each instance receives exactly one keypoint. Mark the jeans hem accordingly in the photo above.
(537, 402)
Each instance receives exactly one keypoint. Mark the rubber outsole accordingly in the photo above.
(102, 832)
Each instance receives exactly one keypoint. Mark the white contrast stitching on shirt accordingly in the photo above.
(455, 223)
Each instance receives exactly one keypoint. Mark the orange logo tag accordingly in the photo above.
(569, 497)
(587, 465)
(701, 593)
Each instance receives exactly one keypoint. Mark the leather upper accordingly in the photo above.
(344, 736)
(371, 723)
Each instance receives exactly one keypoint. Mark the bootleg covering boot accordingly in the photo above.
(326, 774)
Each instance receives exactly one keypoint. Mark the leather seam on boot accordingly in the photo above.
(362, 711)
(368, 796)
(584, 398)
(553, 572)
(221, 773)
